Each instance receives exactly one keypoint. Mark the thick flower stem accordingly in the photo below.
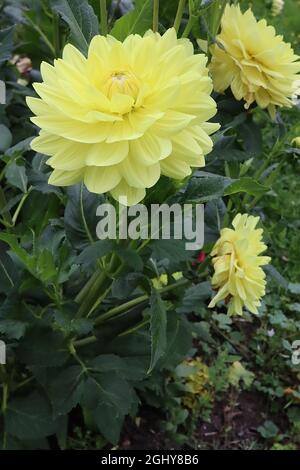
(155, 15)
(94, 291)
(84, 291)
(217, 12)
(188, 27)
(127, 306)
(179, 14)
(97, 288)
(103, 14)
(121, 308)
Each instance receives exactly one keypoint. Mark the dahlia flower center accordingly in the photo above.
(124, 82)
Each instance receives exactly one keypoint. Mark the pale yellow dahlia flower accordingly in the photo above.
(277, 7)
(296, 142)
(238, 275)
(257, 65)
(125, 115)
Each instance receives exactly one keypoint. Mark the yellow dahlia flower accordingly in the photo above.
(257, 65)
(238, 275)
(125, 115)
(277, 7)
(296, 142)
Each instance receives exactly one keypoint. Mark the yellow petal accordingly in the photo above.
(101, 179)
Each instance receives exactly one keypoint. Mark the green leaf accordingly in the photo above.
(19, 148)
(65, 389)
(229, 154)
(124, 286)
(5, 138)
(130, 257)
(23, 256)
(66, 321)
(81, 19)
(16, 176)
(213, 216)
(29, 417)
(8, 272)
(204, 187)
(80, 216)
(251, 135)
(130, 368)
(14, 317)
(6, 44)
(268, 430)
(41, 346)
(14, 329)
(109, 397)
(294, 288)
(272, 271)
(202, 330)
(194, 297)
(238, 373)
(173, 250)
(224, 321)
(136, 21)
(179, 341)
(246, 185)
(95, 251)
(158, 327)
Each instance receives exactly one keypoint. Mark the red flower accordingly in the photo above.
(201, 257)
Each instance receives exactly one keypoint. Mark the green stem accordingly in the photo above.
(3, 202)
(217, 12)
(76, 357)
(85, 341)
(99, 301)
(179, 14)
(155, 15)
(135, 328)
(56, 41)
(121, 308)
(103, 15)
(268, 182)
(85, 289)
(87, 230)
(188, 27)
(20, 205)
(127, 306)
(138, 300)
(97, 288)
(25, 382)
(89, 298)
(43, 35)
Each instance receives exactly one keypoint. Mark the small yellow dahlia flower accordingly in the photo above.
(238, 275)
(277, 7)
(257, 65)
(125, 115)
(296, 142)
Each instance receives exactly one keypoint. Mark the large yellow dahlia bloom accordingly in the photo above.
(238, 275)
(257, 65)
(126, 114)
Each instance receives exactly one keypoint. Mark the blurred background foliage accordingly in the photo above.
(236, 386)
